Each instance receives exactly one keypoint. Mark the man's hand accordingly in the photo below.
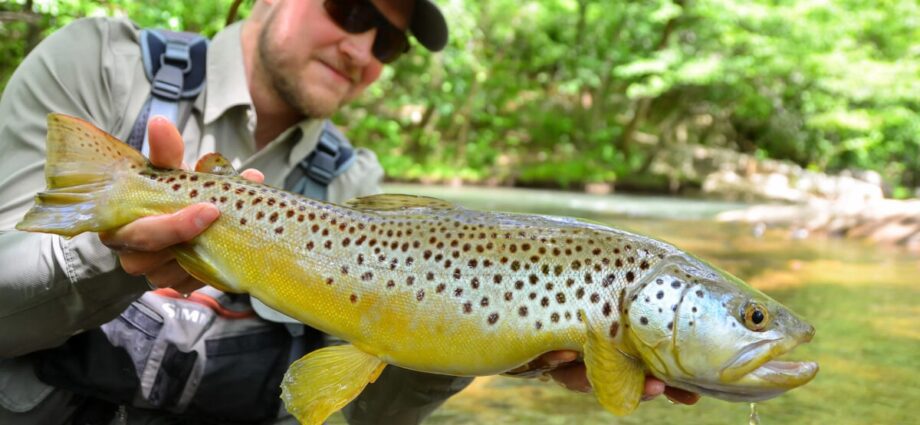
(570, 373)
(143, 246)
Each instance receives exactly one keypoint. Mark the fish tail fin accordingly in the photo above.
(80, 170)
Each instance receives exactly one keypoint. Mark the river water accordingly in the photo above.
(863, 300)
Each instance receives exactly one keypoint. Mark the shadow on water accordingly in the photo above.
(864, 302)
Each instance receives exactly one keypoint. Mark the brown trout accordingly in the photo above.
(426, 285)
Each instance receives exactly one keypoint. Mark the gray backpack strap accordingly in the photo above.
(175, 63)
(332, 156)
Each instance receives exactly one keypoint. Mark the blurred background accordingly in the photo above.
(778, 139)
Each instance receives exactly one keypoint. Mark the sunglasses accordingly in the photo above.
(358, 16)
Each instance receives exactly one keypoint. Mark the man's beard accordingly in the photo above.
(287, 86)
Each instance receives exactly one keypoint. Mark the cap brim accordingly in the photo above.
(428, 26)
(269, 313)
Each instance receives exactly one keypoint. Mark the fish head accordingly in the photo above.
(706, 331)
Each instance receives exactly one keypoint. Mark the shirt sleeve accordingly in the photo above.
(52, 287)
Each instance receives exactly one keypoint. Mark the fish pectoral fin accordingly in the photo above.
(396, 202)
(617, 378)
(325, 380)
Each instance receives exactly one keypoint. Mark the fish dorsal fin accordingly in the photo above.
(215, 163)
(398, 202)
(618, 379)
(327, 379)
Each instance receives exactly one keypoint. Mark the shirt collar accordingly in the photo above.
(227, 86)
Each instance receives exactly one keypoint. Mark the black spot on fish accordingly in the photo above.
(643, 320)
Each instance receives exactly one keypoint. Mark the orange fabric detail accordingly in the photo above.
(206, 301)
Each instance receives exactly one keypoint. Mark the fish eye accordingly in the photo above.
(756, 317)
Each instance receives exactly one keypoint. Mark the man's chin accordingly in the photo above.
(314, 103)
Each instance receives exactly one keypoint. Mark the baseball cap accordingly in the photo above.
(428, 25)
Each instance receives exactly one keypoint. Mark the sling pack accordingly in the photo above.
(176, 64)
(207, 357)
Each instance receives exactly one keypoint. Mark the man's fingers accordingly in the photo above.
(138, 263)
(653, 388)
(572, 376)
(187, 286)
(678, 395)
(166, 145)
(168, 275)
(253, 175)
(155, 233)
(554, 358)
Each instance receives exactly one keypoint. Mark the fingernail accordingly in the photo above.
(158, 118)
(205, 217)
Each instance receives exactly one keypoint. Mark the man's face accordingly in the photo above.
(313, 64)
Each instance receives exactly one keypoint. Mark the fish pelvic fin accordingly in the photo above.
(80, 169)
(617, 378)
(327, 379)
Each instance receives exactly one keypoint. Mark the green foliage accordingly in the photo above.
(564, 92)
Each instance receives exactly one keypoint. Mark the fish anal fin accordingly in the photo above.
(215, 163)
(397, 202)
(327, 379)
(618, 379)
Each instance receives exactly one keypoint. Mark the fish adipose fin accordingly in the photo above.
(80, 170)
(215, 163)
(618, 379)
(327, 379)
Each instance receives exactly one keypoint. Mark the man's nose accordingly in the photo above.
(358, 47)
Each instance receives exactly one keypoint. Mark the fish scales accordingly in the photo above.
(419, 278)
(424, 284)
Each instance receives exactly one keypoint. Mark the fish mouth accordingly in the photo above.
(756, 374)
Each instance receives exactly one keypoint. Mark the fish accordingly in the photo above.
(427, 285)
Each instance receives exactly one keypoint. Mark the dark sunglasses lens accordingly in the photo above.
(389, 44)
(353, 16)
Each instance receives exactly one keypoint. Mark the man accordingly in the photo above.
(270, 80)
